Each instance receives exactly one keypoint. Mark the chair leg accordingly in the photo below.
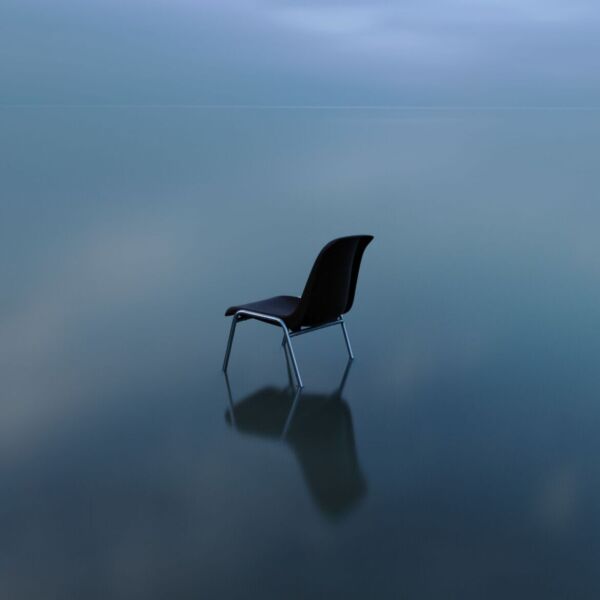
(288, 342)
(347, 339)
(287, 364)
(234, 321)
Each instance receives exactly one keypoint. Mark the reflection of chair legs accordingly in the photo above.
(340, 389)
(292, 412)
(337, 394)
(316, 427)
(297, 391)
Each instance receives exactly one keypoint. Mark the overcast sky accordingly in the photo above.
(356, 52)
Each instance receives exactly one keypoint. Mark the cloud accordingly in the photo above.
(262, 52)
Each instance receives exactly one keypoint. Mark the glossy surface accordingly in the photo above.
(461, 458)
(155, 159)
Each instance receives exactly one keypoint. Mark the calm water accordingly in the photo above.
(460, 459)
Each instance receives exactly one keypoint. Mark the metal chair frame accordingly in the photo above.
(243, 315)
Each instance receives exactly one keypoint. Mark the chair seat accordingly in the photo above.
(278, 306)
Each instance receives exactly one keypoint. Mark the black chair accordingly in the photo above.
(328, 294)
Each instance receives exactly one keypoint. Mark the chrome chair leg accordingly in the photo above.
(234, 321)
(240, 315)
(288, 343)
(347, 339)
(287, 364)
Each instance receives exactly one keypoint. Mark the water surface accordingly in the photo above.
(459, 460)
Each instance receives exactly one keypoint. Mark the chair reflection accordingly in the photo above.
(318, 428)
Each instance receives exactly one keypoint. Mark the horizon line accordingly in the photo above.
(308, 106)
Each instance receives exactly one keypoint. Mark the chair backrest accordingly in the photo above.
(331, 285)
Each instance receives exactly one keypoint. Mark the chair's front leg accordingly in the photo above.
(288, 341)
(287, 364)
(244, 314)
(234, 321)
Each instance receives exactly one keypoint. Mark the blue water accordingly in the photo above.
(459, 459)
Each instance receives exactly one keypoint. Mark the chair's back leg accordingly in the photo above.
(347, 339)
(234, 321)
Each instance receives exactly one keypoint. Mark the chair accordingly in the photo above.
(327, 296)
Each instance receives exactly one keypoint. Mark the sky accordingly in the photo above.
(263, 52)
